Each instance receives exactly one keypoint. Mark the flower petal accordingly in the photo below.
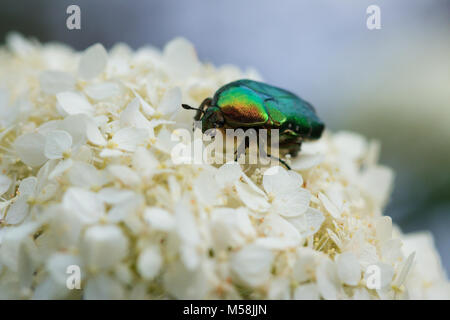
(84, 204)
(308, 223)
(30, 149)
(159, 219)
(252, 264)
(53, 82)
(348, 268)
(92, 62)
(56, 143)
(228, 174)
(171, 101)
(5, 183)
(278, 181)
(292, 203)
(128, 139)
(307, 291)
(18, 211)
(149, 262)
(28, 186)
(74, 103)
(251, 198)
(327, 280)
(126, 175)
(104, 246)
(102, 91)
(180, 58)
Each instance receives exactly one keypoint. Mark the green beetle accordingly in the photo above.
(251, 104)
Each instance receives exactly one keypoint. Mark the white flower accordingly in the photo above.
(5, 183)
(93, 61)
(231, 228)
(377, 181)
(145, 162)
(104, 246)
(252, 264)
(180, 58)
(57, 266)
(103, 287)
(312, 154)
(149, 262)
(384, 228)
(183, 283)
(146, 108)
(333, 200)
(57, 143)
(159, 219)
(350, 145)
(206, 188)
(253, 197)
(348, 268)
(308, 223)
(30, 149)
(188, 233)
(53, 82)
(20, 207)
(93, 134)
(294, 220)
(279, 233)
(88, 177)
(103, 91)
(289, 198)
(306, 264)
(279, 289)
(171, 101)
(386, 274)
(125, 175)
(132, 117)
(86, 205)
(85, 175)
(327, 280)
(124, 207)
(127, 139)
(14, 240)
(307, 292)
(425, 278)
(74, 103)
(228, 174)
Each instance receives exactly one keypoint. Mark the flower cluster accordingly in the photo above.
(87, 180)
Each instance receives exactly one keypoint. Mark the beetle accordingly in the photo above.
(244, 104)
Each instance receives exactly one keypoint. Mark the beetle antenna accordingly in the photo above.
(187, 107)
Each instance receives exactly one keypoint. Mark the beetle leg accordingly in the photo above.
(281, 161)
(238, 152)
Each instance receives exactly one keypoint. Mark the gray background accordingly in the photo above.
(391, 84)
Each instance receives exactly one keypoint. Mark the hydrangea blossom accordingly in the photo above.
(87, 180)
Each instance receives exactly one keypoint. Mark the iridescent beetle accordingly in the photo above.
(251, 104)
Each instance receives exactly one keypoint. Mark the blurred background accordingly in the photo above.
(391, 84)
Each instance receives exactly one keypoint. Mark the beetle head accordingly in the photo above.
(212, 118)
